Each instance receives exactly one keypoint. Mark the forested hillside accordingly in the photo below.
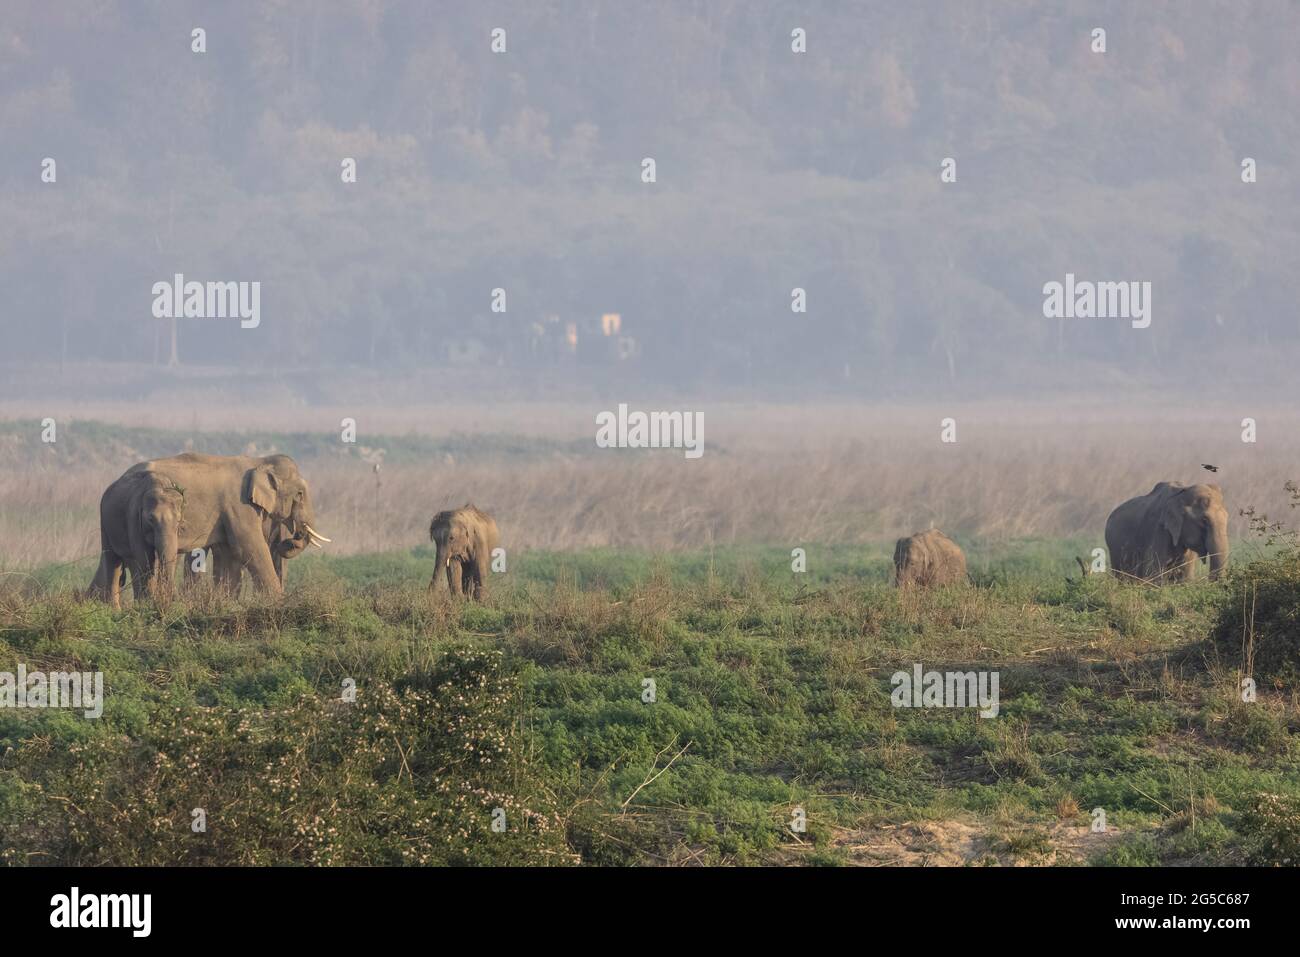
(522, 170)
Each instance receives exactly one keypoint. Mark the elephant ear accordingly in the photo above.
(1171, 519)
(259, 488)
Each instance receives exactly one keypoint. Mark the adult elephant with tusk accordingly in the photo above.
(238, 505)
(1162, 536)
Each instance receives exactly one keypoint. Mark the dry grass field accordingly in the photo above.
(771, 474)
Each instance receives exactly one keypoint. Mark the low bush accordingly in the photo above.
(1258, 622)
(427, 769)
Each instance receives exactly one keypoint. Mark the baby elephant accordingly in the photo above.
(465, 539)
(928, 558)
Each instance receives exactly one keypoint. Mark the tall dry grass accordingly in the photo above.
(776, 475)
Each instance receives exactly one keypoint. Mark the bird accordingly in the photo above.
(1209, 468)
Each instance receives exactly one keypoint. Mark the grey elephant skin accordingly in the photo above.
(227, 574)
(928, 558)
(464, 539)
(1161, 537)
(163, 507)
(140, 514)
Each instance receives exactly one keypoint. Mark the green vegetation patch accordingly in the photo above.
(631, 709)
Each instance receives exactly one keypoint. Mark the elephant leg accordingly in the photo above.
(101, 585)
(1184, 566)
(262, 569)
(1157, 565)
(226, 572)
(467, 584)
(481, 571)
(108, 579)
(139, 568)
(189, 575)
(232, 578)
(98, 587)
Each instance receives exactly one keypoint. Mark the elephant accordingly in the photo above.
(232, 502)
(465, 539)
(1161, 536)
(928, 558)
(139, 517)
(227, 576)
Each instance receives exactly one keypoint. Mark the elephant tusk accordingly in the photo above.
(314, 534)
(317, 544)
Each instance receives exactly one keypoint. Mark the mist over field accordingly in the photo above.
(791, 475)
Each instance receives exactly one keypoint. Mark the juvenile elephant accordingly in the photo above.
(139, 517)
(1161, 536)
(465, 539)
(222, 501)
(928, 558)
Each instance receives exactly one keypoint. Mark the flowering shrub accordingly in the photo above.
(427, 769)
(1272, 824)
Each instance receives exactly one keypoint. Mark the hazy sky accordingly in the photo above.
(796, 146)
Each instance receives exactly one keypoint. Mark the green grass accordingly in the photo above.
(614, 569)
(772, 694)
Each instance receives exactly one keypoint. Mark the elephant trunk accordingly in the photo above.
(440, 563)
(301, 534)
(300, 520)
(1216, 546)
